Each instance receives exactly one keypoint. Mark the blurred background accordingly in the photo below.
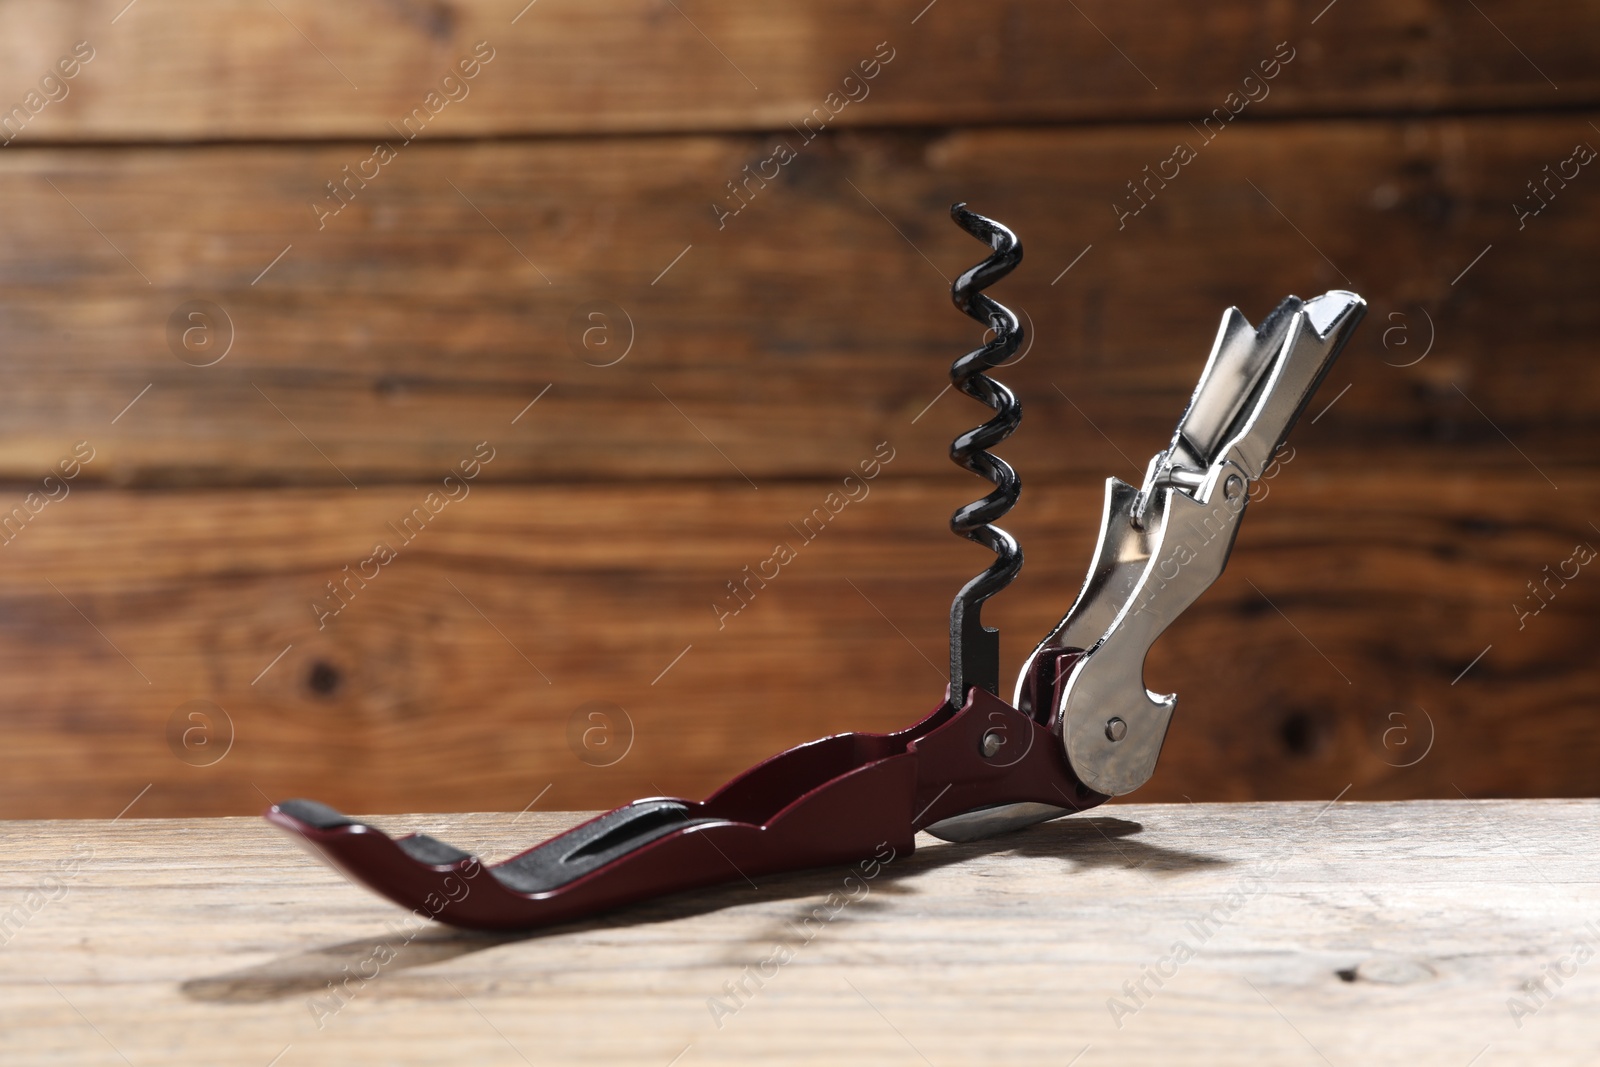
(391, 390)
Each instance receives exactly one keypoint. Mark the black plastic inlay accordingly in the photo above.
(425, 849)
(318, 815)
(589, 847)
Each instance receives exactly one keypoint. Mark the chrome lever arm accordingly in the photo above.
(1164, 544)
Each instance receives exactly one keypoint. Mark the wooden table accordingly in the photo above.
(1343, 934)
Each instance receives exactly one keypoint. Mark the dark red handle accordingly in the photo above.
(832, 801)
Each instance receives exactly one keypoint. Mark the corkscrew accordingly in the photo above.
(974, 647)
(1080, 728)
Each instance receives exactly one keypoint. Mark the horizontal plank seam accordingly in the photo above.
(1566, 107)
(1057, 480)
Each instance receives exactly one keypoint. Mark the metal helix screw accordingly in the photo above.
(975, 648)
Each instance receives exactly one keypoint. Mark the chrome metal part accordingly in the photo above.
(1164, 544)
(1000, 818)
(1184, 544)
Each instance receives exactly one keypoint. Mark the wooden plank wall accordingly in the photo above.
(352, 350)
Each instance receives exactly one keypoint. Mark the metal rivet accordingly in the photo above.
(1116, 729)
(1233, 487)
(991, 743)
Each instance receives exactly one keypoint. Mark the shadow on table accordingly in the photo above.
(1083, 843)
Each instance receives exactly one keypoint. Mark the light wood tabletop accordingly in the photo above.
(1448, 933)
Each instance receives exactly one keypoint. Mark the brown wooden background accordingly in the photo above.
(765, 364)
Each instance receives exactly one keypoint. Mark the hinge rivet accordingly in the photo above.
(1116, 730)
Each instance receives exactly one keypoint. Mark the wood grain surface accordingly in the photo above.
(184, 70)
(1329, 651)
(1339, 933)
(567, 259)
(806, 330)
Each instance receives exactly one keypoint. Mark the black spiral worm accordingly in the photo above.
(975, 648)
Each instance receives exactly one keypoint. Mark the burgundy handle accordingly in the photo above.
(832, 801)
